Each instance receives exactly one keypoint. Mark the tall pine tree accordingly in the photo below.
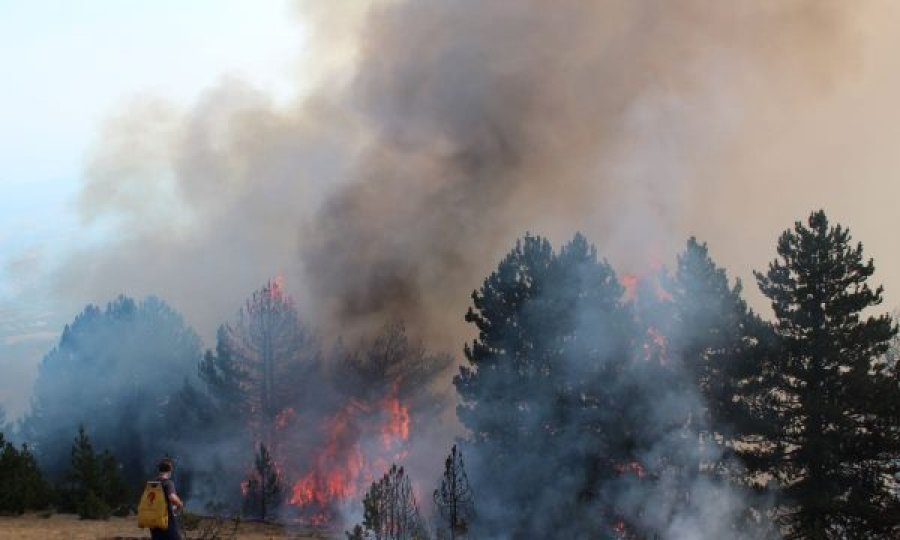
(454, 499)
(538, 393)
(259, 362)
(833, 401)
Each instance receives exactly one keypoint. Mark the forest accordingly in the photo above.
(588, 404)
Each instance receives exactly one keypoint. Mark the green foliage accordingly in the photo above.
(93, 486)
(92, 506)
(21, 485)
(829, 404)
(265, 490)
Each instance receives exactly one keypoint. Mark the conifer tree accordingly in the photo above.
(390, 511)
(831, 399)
(22, 487)
(113, 369)
(265, 490)
(541, 395)
(260, 361)
(454, 499)
(93, 486)
(716, 338)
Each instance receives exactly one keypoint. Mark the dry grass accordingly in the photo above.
(69, 527)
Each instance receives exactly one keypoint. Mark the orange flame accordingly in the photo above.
(342, 469)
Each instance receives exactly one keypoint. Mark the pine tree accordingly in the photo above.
(454, 498)
(390, 511)
(93, 486)
(540, 394)
(833, 401)
(264, 488)
(260, 361)
(22, 487)
(717, 339)
(712, 343)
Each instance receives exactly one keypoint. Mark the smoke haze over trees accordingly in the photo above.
(597, 397)
(593, 404)
(113, 371)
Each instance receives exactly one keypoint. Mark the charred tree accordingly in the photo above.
(391, 362)
(454, 499)
(832, 401)
(264, 488)
(390, 511)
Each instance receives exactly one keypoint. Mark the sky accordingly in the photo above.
(67, 67)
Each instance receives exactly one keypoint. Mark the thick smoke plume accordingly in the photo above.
(435, 133)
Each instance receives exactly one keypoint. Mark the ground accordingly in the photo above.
(44, 526)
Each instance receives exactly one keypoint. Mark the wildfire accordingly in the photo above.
(656, 343)
(397, 426)
(630, 283)
(344, 466)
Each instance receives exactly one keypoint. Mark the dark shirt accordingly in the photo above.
(172, 533)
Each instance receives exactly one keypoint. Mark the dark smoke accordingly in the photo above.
(438, 133)
(442, 131)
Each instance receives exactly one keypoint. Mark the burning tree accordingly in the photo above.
(454, 498)
(260, 361)
(376, 381)
(263, 490)
(390, 511)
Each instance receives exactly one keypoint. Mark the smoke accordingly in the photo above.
(434, 134)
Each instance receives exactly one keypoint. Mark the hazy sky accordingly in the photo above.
(67, 66)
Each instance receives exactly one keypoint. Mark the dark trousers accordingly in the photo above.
(172, 533)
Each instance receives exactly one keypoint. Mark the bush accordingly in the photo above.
(93, 507)
(22, 487)
(93, 486)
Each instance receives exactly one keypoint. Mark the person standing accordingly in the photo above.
(166, 468)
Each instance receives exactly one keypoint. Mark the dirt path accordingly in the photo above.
(69, 527)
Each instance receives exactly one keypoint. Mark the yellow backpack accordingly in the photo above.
(153, 510)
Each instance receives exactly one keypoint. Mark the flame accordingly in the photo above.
(630, 283)
(397, 427)
(656, 346)
(344, 466)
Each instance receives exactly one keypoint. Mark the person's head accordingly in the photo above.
(165, 465)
